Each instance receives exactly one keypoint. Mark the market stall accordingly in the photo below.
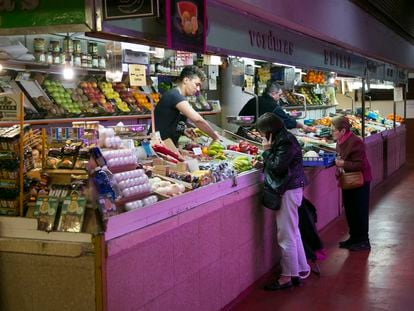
(200, 241)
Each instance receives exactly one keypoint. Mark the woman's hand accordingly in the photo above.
(339, 162)
(267, 144)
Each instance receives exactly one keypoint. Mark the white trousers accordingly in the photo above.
(293, 261)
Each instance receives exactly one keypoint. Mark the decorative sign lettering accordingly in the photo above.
(269, 41)
(120, 9)
(337, 59)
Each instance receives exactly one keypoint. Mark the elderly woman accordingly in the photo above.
(351, 157)
(283, 174)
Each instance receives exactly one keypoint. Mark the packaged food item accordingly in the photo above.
(45, 211)
(72, 214)
(82, 159)
(54, 157)
(68, 157)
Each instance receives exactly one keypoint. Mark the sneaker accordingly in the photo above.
(361, 246)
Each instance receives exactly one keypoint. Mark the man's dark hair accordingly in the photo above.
(191, 72)
(269, 123)
(272, 86)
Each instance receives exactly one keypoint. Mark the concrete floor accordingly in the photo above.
(382, 279)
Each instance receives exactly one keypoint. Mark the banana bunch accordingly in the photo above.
(241, 164)
(216, 150)
(199, 132)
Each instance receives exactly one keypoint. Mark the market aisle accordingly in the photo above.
(380, 280)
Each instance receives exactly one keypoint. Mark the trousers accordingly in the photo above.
(356, 203)
(293, 261)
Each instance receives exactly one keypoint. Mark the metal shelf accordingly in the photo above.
(46, 68)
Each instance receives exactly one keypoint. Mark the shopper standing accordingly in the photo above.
(174, 108)
(283, 172)
(351, 157)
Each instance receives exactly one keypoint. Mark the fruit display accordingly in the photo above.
(311, 97)
(61, 96)
(244, 147)
(312, 76)
(128, 97)
(397, 117)
(241, 164)
(142, 101)
(290, 99)
(91, 98)
(215, 149)
(113, 97)
(46, 105)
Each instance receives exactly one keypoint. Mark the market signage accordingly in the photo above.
(186, 25)
(15, 14)
(120, 9)
(232, 33)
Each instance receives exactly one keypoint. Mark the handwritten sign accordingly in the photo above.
(137, 75)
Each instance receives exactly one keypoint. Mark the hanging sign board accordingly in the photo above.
(40, 16)
(137, 75)
(186, 25)
(120, 9)
(398, 94)
(233, 33)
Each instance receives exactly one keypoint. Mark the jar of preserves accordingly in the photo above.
(89, 60)
(39, 44)
(55, 46)
(84, 60)
(92, 48)
(40, 57)
(101, 62)
(56, 58)
(76, 46)
(95, 62)
(68, 45)
(77, 62)
(49, 58)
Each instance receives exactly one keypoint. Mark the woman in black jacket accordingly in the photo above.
(283, 174)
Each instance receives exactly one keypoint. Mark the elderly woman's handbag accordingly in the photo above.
(351, 180)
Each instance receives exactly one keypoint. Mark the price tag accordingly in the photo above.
(197, 151)
(137, 75)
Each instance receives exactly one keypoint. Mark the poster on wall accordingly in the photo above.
(119, 9)
(186, 25)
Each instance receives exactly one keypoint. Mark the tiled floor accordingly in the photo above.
(382, 279)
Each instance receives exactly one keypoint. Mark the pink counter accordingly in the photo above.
(200, 259)
(200, 250)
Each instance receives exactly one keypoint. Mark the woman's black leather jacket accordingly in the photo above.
(283, 164)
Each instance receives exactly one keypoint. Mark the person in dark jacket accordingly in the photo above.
(270, 102)
(284, 174)
(351, 157)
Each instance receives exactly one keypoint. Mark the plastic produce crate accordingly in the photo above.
(326, 159)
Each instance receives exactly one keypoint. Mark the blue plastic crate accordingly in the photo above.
(326, 159)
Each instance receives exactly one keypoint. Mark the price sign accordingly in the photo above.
(137, 75)
(398, 94)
